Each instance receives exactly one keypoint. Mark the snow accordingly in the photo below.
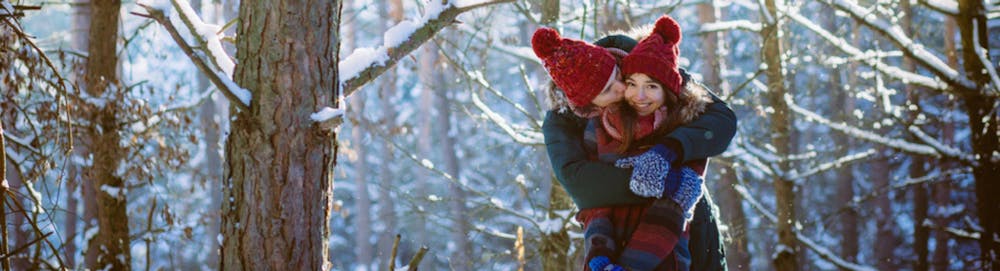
(729, 25)
(359, 60)
(240, 92)
(208, 34)
(4, 184)
(112, 191)
(399, 33)
(326, 113)
(433, 197)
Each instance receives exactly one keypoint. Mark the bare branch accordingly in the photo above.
(823, 252)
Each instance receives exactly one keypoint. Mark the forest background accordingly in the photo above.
(157, 135)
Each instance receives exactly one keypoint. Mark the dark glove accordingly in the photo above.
(650, 170)
(684, 186)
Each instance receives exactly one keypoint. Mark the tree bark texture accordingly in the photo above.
(983, 122)
(785, 258)
(277, 192)
(112, 240)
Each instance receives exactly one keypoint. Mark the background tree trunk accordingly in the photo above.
(921, 234)
(279, 169)
(983, 122)
(786, 256)
(76, 182)
(112, 240)
(942, 190)
(848, 221)
(362, 216)
(386, 202)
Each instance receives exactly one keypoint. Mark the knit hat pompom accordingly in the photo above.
(668, 29)
(545, 42)
(580, 69)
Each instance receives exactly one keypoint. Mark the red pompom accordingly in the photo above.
(668, 29)
(545, 41)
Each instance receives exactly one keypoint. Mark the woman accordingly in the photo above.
(593, 184)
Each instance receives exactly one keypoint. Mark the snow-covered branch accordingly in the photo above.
(729, 25)
(832, 165)
(916, 51)
(822, 251)
(940, 147)
(960, 233)
(944, 6)
(898, 144)
(238, 95)
(984, 58)
(870, 58)
(365, 64)
(206, 36)
(524, 136)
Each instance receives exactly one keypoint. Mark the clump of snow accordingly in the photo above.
(359, 60)
(326, 113)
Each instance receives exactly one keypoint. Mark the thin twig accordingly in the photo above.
(417, 258)
(392, 257)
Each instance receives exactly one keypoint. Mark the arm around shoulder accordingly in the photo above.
(589, 183)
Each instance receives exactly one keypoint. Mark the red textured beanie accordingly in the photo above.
(580, 69)
(656, 55)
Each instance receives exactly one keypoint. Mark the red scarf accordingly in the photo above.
(609, 136)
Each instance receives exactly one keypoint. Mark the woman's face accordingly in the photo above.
(644, 94)
(612, 92)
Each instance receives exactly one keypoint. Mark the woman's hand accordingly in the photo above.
(649, 170)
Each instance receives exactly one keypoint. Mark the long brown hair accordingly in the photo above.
(629, 116)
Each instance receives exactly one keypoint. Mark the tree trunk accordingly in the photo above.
(209, 118)
(848, 221)
(737, 250)
(279, 173)
(983, 122)
(885, 241)
(75, 178)
(363, 249)
(425, 143)
(387, 205)
(112, 235)
(363, 222)
(942, 190)
(785, 258)
(921, 234)
(460, 258)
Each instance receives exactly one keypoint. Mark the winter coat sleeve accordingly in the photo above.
(590, 183)
(708, 135)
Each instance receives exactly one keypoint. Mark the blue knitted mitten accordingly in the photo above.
(601, 263)
(689, 189)
(649, 170)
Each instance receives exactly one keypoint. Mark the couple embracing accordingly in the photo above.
(629, 139)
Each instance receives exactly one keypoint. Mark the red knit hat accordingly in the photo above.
(580, 69)
(656, 55)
